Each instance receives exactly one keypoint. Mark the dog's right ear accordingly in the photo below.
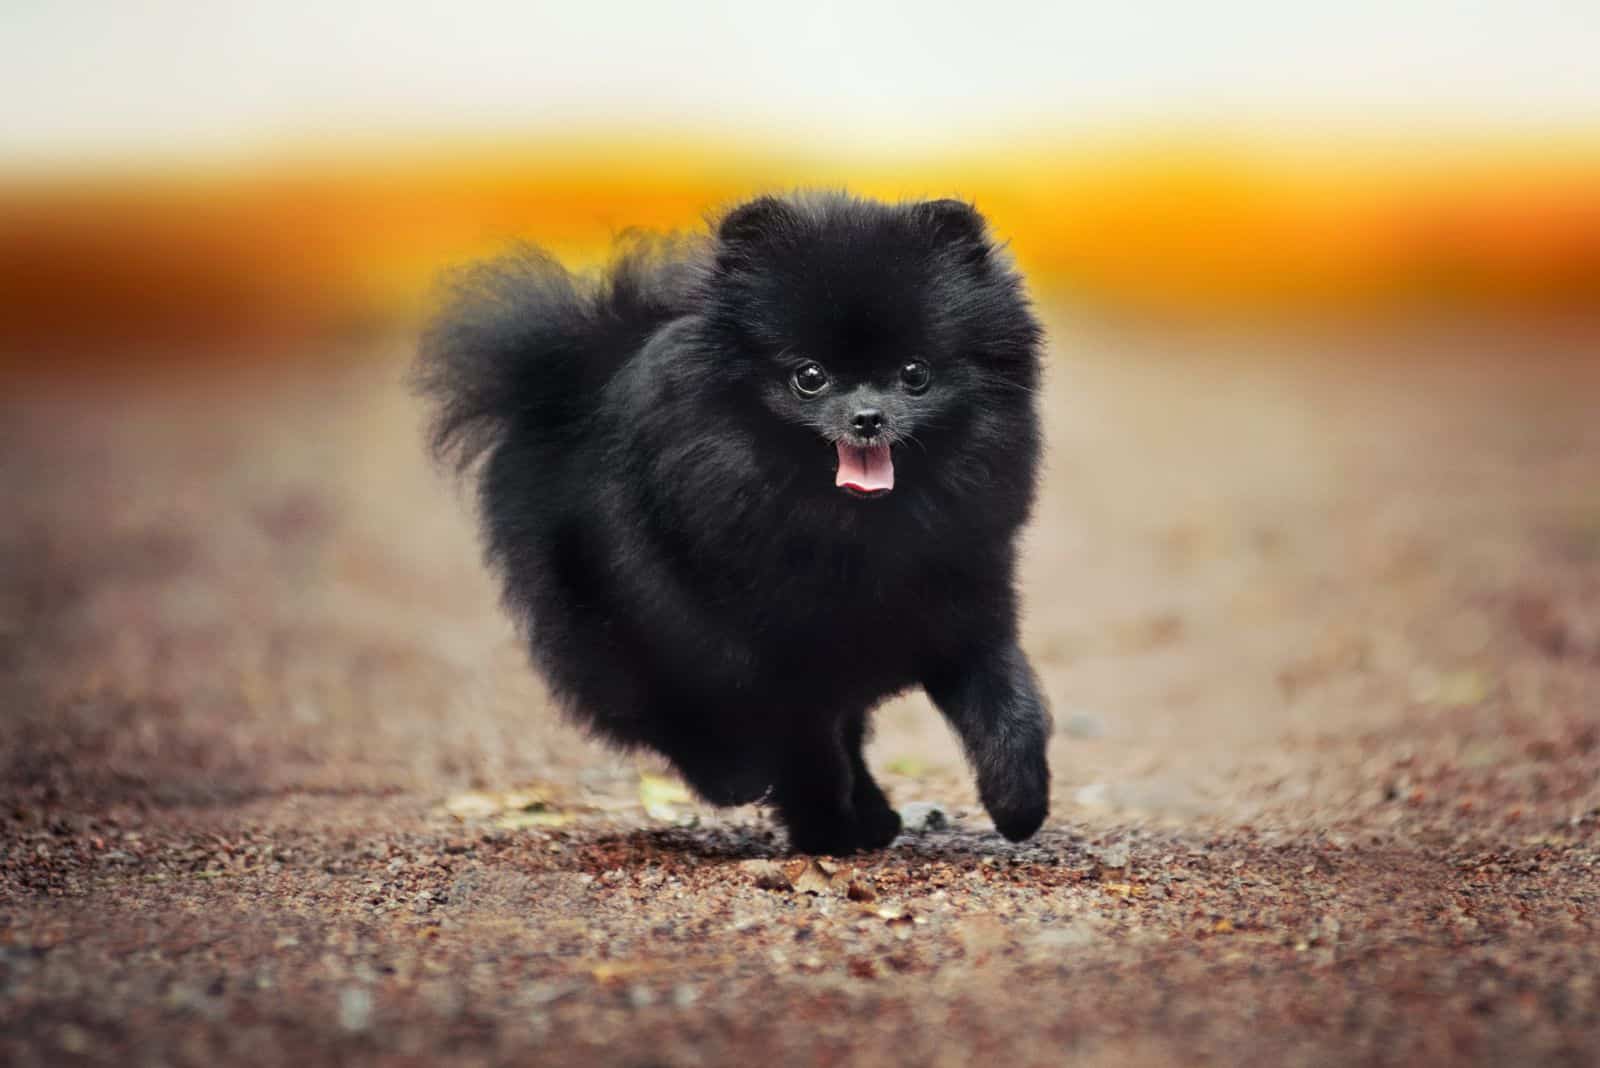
(956, 225)
(750, 224)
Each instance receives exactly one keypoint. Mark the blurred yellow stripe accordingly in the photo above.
(1200, 227)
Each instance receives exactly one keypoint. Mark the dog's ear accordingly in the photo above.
(753, 221)
(954, 224)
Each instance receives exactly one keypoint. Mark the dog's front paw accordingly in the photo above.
(1019, 820)
(1018, 800)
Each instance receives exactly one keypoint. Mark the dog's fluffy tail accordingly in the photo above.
(520, 342)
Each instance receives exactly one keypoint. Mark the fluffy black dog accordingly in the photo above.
(741, 491)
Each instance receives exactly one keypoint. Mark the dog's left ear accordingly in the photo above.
(955, 224)
(749, 225)
(753, 219)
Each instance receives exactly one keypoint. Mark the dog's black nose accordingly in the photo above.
(867, 422)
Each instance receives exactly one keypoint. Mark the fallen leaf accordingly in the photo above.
(820, 877)
(521, 821)
(768, 876)
(525, 799)
(612, 971)
(906, 765)
(474, 804)
(660, 793)
(900, 920)
(481, 804)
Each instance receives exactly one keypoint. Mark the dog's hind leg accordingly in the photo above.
(814, 791)
(719, 765)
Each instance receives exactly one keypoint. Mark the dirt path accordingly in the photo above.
(1322, 633)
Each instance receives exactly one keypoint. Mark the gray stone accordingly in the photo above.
(920, 817)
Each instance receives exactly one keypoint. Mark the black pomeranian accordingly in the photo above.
(741, 490)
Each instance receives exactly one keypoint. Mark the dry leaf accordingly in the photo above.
(612, 971)
(474, 804)
(768, 876)
(820, 877)
(906, 765)
(659, 794)
(900, 920)
(521, 821)
(481, 804)
(526, 799)
(860, 889)
(516, 809)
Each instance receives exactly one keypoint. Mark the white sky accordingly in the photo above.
(173, 77)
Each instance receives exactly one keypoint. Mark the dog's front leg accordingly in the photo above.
(992, 699)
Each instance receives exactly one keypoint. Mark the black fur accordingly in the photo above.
(659, 498)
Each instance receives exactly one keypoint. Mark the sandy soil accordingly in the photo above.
(1321, 630)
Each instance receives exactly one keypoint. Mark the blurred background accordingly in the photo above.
(226, 174)
(1313, 584)
(1322, 285)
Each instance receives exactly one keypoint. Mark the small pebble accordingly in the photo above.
(1083, 725)
(355, 1009)
(1112, 856)
(920, 817)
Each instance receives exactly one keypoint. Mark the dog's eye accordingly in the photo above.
(810, 379)
(916, 375)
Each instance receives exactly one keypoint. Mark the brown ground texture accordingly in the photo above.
(1321, 630)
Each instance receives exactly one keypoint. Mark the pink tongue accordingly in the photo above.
(869, 470)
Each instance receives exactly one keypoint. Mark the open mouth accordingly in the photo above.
(864, 470)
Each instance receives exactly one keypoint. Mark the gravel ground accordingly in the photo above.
(1321, 630)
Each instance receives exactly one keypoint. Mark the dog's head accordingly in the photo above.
(895, 337)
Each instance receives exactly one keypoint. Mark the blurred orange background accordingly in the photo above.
(202, 174)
